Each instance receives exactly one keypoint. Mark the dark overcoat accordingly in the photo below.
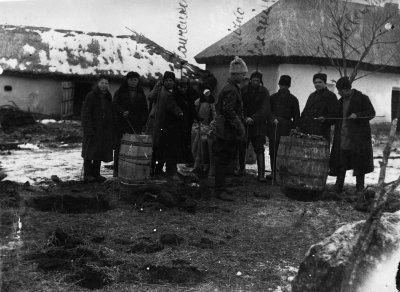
(168, 128)
(256, 105)
(359, 135)
(98, 126)
(285, 108)
(229, 113)
(186, 104)
(320, 103)
(137, 108)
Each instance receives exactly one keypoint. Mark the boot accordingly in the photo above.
(96, 171)
(340, 181)
(261, 166)
(88, 171)
(242, 166)
(360, 183)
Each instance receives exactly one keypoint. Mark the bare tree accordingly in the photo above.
(355, 34)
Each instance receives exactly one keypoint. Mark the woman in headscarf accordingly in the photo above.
(98, 127)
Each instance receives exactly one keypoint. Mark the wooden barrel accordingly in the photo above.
(135, 158)
(302, 163)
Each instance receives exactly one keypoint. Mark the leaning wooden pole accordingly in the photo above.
(351, 275)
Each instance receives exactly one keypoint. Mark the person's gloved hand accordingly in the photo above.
(353, 116)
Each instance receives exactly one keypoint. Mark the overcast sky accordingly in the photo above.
(208, 20)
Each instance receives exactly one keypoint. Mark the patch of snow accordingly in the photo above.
(29, 50)
(383, 278)
(48, 121)
(11, 63)
(28, 146)
(115, 54)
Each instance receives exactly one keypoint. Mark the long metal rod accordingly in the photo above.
(367, 117)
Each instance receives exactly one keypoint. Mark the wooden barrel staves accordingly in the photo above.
(302, 163)
(135, 158)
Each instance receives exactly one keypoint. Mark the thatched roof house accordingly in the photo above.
(42, 57)
(41, 51)
(285, 39)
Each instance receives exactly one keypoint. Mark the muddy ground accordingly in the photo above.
(59, 234)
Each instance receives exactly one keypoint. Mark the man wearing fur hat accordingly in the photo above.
(256, 111)
(229, 126)
(352, 146)
(285, 116)
(321, 104)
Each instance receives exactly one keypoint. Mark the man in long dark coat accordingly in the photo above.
(132, 112)
(98, 130)
(256, 111)
(229, 126)
(321, 104)
(185, 100)
(285, 116)
(352, 146)
(168, 144)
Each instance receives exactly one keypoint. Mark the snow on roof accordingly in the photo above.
(41, 50)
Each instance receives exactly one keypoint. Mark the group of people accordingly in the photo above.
(248, 114)
(242, 114)
(166, 114)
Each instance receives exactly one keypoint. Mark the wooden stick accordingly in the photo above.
(364, 240)
(367, 117)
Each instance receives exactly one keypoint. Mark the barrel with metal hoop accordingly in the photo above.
(135, 158)
(302, 163)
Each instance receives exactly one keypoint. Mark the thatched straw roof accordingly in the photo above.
(293, 36)
(54, 52)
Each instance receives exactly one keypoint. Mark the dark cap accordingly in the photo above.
(285, 80)
(132, 75)
(321, 76)
(256, 74)
(169, 74)
(343, 83)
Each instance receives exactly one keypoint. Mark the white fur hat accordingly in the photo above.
(238, 66)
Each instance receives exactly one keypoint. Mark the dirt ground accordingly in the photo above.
(166, 237)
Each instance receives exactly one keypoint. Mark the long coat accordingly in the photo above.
(320, 103)
(284, 108)
(359, 136)
(168, 131)
(186, 104)
(137, 108)
(98, 126)
(256, 105)
(229, 110)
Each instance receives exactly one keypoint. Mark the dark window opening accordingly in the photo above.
(7, 88)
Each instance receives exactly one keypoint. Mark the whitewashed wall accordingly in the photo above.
(38, 95)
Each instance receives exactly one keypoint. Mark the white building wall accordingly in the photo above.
(37, 95)
(378, 86)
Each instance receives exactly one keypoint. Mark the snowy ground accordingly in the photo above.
(34, 165)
